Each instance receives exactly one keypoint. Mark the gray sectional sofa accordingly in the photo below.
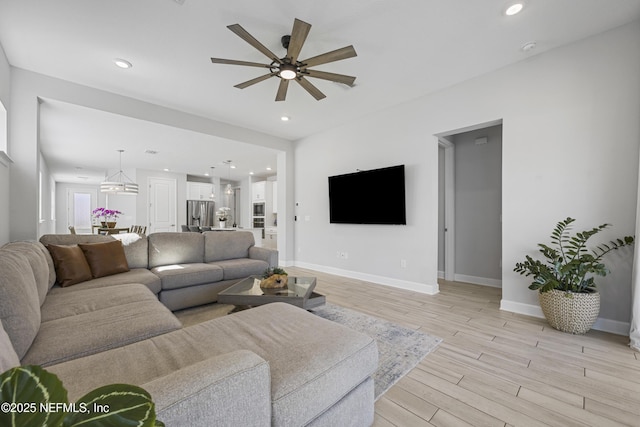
(183, 269)
(271, 365)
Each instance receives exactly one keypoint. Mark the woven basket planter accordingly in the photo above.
(570, 312)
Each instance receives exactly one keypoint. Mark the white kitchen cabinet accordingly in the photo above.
(258, 191)
(199, 191)
(271, 238)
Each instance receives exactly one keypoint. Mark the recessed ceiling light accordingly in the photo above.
(514, 9)
(250, 173)
(284, 118)
(165, 169)
(122, 63)
(268, 168)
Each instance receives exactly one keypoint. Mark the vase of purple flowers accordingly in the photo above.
(107, 217)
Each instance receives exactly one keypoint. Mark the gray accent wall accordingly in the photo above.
(478, 202)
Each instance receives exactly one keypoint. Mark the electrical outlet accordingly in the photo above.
(403, 263)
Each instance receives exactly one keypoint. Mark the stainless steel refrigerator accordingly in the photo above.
(200, 213)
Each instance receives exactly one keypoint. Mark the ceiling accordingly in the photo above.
(405, 50)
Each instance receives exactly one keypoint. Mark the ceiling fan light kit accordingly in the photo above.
(289, 68)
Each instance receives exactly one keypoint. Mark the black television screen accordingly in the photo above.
(368, 197)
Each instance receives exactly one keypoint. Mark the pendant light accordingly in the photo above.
(229, 190)
(116, 183)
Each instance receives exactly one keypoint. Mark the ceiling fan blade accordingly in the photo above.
(314, 91)
(254, 81)
(234, 62)
(244, 35)
(282, 90)
(339, 78)
(334, 55)
(298, 36)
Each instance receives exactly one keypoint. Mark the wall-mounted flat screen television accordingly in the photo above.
(368, 197)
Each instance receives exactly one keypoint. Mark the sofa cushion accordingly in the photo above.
(311, 359)
(232, 389)
(135, 275)
(241, 268)
(175, 248)
(219, 246)
(193, 296)
(19, 301)
(8, 357)
(70, 263)
(136, 252)
(79, 300)
(71, 337)
(41, 264)
(105, 259)
(182, 275)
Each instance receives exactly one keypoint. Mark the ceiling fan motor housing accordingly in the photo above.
(285, 41)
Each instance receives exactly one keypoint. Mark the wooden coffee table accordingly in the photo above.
(248, 293)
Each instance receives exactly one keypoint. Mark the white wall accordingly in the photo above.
(570, 147)
(28, 88)
(47, 223)
(5, 161)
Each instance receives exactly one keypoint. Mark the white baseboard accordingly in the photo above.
(286, 263)
(613, 326)
(494, 283)
(440, 274)
(605, 325)
(381, 280)
(520, 308)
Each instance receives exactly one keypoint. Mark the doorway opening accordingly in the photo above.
(80, 203)
(470, 205)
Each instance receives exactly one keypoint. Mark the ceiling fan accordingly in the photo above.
(289, 67)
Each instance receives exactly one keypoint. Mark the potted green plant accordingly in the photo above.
(33, 396)
(566, 279)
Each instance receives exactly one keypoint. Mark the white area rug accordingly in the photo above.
(400, 349)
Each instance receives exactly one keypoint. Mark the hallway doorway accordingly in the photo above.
(470, 205)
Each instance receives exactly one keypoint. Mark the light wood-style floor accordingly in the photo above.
(495, 368)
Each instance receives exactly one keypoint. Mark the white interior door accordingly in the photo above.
(162, 204)
(80, 203)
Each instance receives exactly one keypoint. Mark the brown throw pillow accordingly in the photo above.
(105, 258)
(70, 263)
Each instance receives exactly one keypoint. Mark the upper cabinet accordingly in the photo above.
(199, 191)
(258, 191)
